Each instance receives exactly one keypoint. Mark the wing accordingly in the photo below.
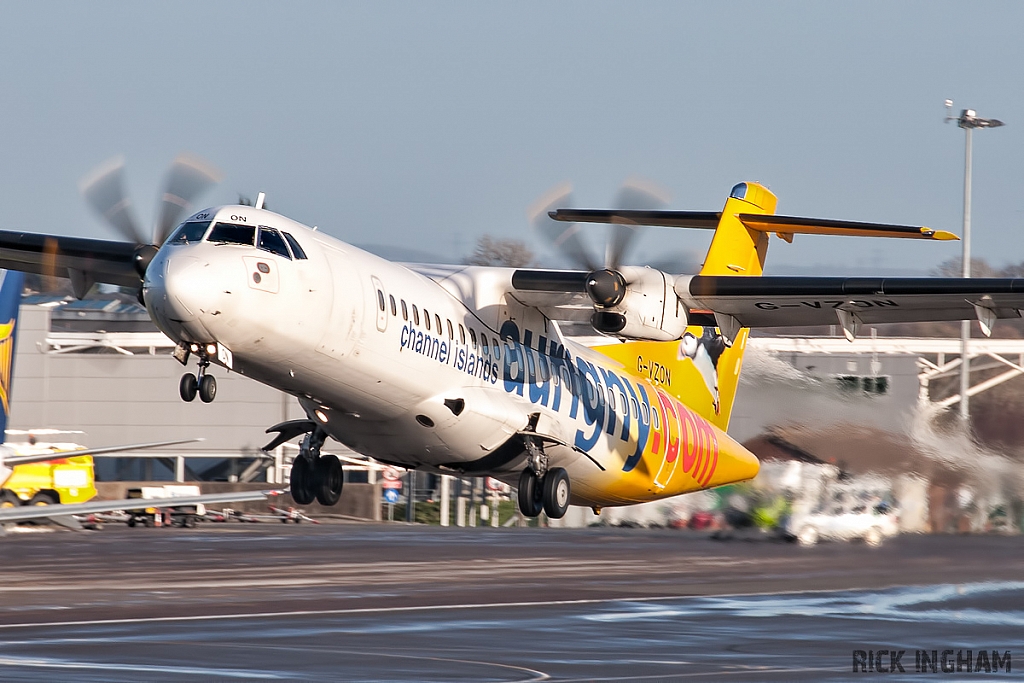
(12, 460)
(91, 259)
(806, 301)
(21, 514)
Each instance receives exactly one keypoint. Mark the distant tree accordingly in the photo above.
(953, 268)
(979, 268)
(490, 251)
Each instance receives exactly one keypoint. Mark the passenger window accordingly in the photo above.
(380, 300)
(405, 311)
(483, 346)
(472, 337)
(190, 232)
(296, 249)
(394, 309)
(230, 233)
(271, 240)
(496, 349)
(634, 407)
(415, 314)
(611, 398)
(437, 319)
(426, 318)
(462, 334)
(655, 417)
(451, 332)
(645, 414)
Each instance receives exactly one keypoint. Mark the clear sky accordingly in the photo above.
(428, 124)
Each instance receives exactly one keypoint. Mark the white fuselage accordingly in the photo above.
(397, 365)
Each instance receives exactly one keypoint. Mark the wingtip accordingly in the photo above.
(938, 234)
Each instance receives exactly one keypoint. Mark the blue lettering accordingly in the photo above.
(643, 430)
(593, 404)
(612, 380)
(539, 390)
(515, 368)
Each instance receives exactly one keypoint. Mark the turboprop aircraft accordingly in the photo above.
(466, 370)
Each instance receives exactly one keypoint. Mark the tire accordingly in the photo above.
(9, 499)
(189, 522)
(303, 492)
(330, 479)
(44, 498)
(873, 537)
(529, 493)
(808, 536)
(131, 522)
(187, 387)
(207, 388)
(556, 492)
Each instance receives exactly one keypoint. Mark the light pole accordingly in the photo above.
(968, 120)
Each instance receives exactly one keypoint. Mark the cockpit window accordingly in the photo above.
(190, 232)
(270, 240)
(232, 233)
(739, 191)
(296, 249)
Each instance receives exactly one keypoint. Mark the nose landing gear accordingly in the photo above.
(205, 385)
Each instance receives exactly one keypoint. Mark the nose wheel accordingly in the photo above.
(205, 386)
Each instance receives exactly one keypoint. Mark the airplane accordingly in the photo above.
(466, 370)
(46, 506)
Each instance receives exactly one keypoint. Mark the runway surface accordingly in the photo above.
(359, 602)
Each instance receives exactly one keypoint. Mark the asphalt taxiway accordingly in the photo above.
(359, 602)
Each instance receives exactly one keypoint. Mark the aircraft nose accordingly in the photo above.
(180, 289)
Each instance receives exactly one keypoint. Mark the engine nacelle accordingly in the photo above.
(636, 303)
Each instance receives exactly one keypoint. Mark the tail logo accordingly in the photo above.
(704, 351)
(6, 364)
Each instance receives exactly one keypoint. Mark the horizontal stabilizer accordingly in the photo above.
(793, 225)
(701, 220)
(784, 226)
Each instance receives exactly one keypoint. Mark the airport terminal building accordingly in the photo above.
(99, 370)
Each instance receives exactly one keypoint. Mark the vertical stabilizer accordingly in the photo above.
(703, 368)
(736, 249)
(11, 284)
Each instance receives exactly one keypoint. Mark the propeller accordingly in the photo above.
(635, 194)
(187, 179)
(565, 237)
(103, 189)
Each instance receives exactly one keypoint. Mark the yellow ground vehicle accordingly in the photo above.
(65, 480)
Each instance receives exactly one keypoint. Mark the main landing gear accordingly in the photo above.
(205, 385)
(542, 487)
(314, 476)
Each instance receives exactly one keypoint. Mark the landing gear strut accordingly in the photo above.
(205, 385)
(314, 476)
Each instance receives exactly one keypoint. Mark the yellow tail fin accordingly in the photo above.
(702, 369)
(737, 249)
